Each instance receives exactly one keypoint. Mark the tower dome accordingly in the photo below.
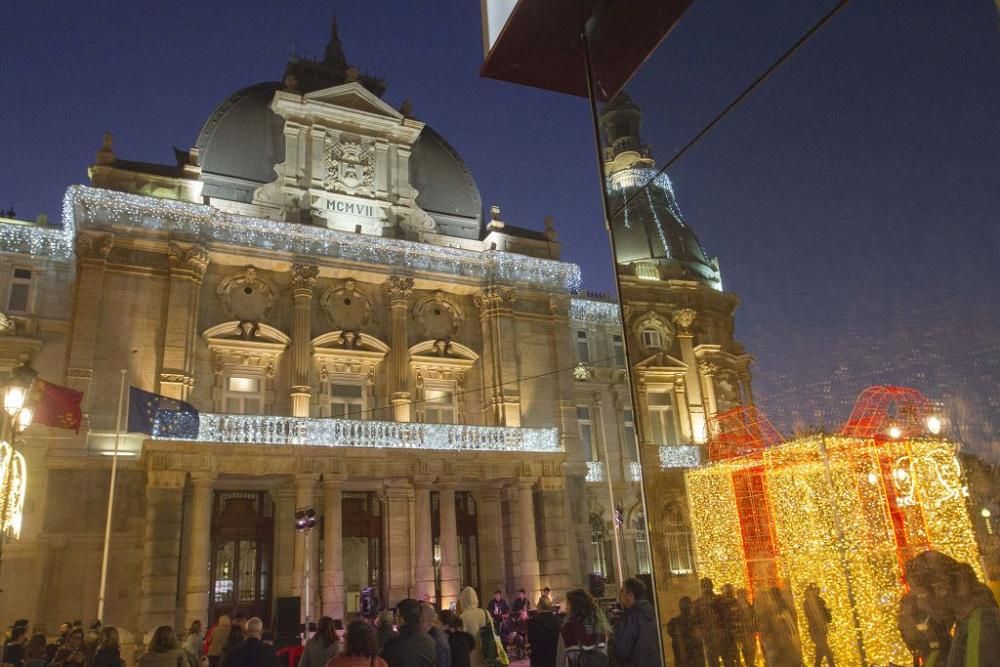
(652, 239)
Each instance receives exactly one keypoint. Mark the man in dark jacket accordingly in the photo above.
(543, 635)
(412, 647)
(428, 621)
(253, 652)
(634, 642)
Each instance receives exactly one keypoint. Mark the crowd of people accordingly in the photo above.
(948, 618)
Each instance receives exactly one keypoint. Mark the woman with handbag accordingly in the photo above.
(583, 639)
(489, 650)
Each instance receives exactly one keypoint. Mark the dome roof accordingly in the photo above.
(649, 228)
(240, 143)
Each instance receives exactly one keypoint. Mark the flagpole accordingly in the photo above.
(111, 499)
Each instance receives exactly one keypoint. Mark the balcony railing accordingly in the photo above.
(680, 456)
(262, 430)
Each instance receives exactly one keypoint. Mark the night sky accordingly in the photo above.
(853, 200)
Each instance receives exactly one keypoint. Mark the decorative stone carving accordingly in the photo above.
(350, 167)
(684, 318)
(495, 297)
(347, 308)
(7, 326)
(708, 368)
(246, 296)
(304, 276)
(90, 245)
(439, 316)
(193, 258)
(559, 304)
(398, 288)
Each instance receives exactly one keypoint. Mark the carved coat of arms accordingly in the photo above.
(350, 168)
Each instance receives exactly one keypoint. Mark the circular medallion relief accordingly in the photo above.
(246, 297)
(347, 308)
(438, 315)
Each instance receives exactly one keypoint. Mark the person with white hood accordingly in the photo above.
(474, 619)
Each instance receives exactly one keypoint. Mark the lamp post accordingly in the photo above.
(305, 521)
(16, 416)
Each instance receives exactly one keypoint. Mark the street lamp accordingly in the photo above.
(305, 521)
(19, 408)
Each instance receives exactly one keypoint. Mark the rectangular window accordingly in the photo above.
(651, 339)
(582, 347)
(628, 433)
(19, 298)
(244, 395)
(586, 432)
(661, 417)
(618, 347)
(346, 401)
(439, 404)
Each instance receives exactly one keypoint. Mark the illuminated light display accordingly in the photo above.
(588, 310)
(846, 512)
(680, 456)
(595, 471)
(253, 429)
(13, 482)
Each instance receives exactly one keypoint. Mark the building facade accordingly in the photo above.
(316, 277)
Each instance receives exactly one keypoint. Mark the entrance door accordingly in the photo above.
(242, 541)
(362, 545)
(467, 528)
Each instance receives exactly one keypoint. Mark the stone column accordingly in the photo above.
(528, 571)
(333, 556)
(449, 545)
(303, 280)
(398, 560)
(554, 554)
(305, 489)
(92, 251)
(187, 269)
(423, 557)
(161, 549)
(398, 289)
(492, 568)
(684, 318)
(708, 371)
(199, 546)
(499, 356)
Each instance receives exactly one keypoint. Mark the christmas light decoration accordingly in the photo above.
(97, 208)
(599, 312)
(846, 512)
(256, 429)
(13, 483)
(680, 456)
(595, 471)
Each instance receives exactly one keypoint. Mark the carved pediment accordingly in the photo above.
(354, 96)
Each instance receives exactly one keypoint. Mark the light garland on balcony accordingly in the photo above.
(97, 208)
(589, 310)
(680, 456)
(365, 434)
(28, 239)
(595, 471)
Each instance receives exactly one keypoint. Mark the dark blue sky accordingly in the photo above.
(853, 201)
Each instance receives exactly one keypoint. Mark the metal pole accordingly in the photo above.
(636, 419)
(615, 528)
(308, 557)
(111, 499)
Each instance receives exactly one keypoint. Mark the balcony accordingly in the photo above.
(264, 430)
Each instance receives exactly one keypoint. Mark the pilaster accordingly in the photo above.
(199, 548)
(332, 591)
(499, 355)
(449, 544)
(187, 269)
(423, 556)
(303, 280)
(399, 564)
(527, 571)
(492, 568)
(161, 549)
(92, 250)
(398, 289)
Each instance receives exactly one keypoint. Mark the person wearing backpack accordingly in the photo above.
(583, 639)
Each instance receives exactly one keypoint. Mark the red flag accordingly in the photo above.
(56, 406)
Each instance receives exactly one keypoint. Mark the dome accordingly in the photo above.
(445, 187)
(240, 143)
(649, 228)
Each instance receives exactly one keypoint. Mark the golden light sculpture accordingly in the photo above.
(847, 512)
(13, 483)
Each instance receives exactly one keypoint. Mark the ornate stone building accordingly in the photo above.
(315, 276)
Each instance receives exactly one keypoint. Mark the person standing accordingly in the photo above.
(712, 626)
(818, 618)
(194, 641)
(499, 610)
(164, 650)
(634, 643)
(585, 631)
(428, 620)
(460, 643)
(521, 603)
(322, 646)
(546, 595)
(779, 636)
(109, 653)
(216, 638)
(684, 641)
(386, 628)
(71, 653)
(412, 647)
(476, 622)
(359, 648)
(744, 630)
(13, 650)
(543, 635)
(252, 651)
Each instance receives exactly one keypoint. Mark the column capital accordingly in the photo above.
(334, 480)
(203, 479)
(684, 318)
(188, 260)
(446, 484)
(398, 288)
(708, 368)
(165, 479)
(523, 483)
(304, 279)
(304, 478)
(94, 245)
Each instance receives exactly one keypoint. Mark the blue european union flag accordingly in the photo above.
(160, 416)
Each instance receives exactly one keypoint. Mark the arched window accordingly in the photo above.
(677, 536)
(600, 548)
(643, 562)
